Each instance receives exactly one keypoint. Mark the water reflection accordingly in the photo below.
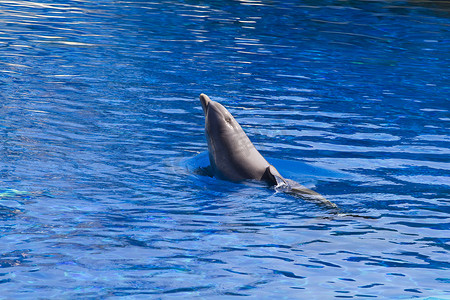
(99, 105)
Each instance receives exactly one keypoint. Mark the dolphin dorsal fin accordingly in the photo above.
(272, 176)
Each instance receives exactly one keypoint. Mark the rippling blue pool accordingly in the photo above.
(102, 131)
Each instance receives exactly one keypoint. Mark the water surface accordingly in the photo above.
(99, 112)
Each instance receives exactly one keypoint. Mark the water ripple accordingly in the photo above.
(99, 107)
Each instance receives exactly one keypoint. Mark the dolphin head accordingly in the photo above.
(219, 122)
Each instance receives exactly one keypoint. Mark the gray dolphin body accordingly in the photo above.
(233, 156)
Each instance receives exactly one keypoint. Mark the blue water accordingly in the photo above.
(101, 130)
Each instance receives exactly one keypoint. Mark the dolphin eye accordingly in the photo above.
(228, 119)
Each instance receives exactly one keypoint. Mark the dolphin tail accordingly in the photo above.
(273, 177)
(303, 192)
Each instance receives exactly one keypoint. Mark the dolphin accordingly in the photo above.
(233, 156)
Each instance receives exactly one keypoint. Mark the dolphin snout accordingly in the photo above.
(205, 102)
